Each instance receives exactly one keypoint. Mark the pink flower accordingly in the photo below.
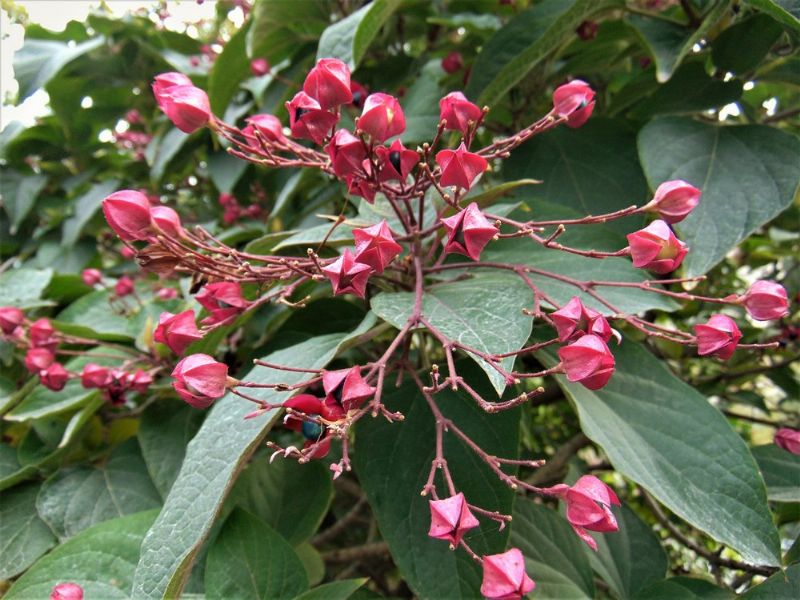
(314, 433)
(329, 83)
(575, 101)
(766, 300)
(167, 293)
(94, 376)
(259, 67)
(128, 214)
(345, 388)
(200, 380)
(91, 277)
(588, 507)
(223, 300)
(269, 126)
(396, 161)
(656, 248)
(54, 377)
(718, 337)
(460, 167)
(574, 320)
(140, 381)
(788, 439)
(375, 246)
(452, 62)
(38, 359)
(67, 591)
(133, 116)
(588, 361)
(457, 112)
(468, 232)
(674, 200)
(382, 117)
(451, 519)
(358, 186)
(504, 576)
(308, 120)
(127, 253)
(186, 106)
(10, 318)
(346, 152)
(42, 333)
(124, 286)
(163, 82)
(348, 276)
(177, 331)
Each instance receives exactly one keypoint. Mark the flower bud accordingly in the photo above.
(575, 101)
(67, 591)
(164, 82)
(574, 320)
(460, 168)
(588, 507)
(588, 361)
(766, 300)
(308, 120)
(346, 152)
(200, 380)
(91, 277)
(656, 248)
(140, 381)
(457, 112)
(223, 300)
(54, 377)
(124, 286)
(128, 214)
(504, 576)
(166, 293)
(451, 519)
(382, 117)
(587, 30)
(348, 276)
(452, 62)
(187, 107)
(94, 376)
(788, 439)
(375, 246)
(674, 200)
(168, 221)
(468, 232)
(259, 67)
(396, 161)
(42, 334)
(346, 389)
(38, 359)
(718, 337)
(329, 83)
(177, 331)
(269, 126)
(10, 318)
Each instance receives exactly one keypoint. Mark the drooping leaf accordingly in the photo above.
(38, 61)
(19, 194)
(748, 174)
(781, 471)
(85, 208)
(24, 537)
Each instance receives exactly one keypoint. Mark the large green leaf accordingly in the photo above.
(513, 51)
(782, 585)
(553, 553)
(421, 104)
(230, 68)
(781, 471)
(38, 61)
(23, 287)
(659, 432)
(784, 11)
(19, 194)
(741, 48)
(336, 590)
(162, 149)
(24, 537)
(85, 208)
(484, 312)
(631, 558)
(214, 457)
(250, 561)
(349, 38)
(101, 560)
(279, 29)
(76, 498)
(392, 461)
(748, 175)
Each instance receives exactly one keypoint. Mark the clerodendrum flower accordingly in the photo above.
(451, 519)
(718, 337)
(504, 576)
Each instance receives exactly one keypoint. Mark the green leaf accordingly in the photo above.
(524, 42)
(349, 38)
(312, 561)
(784, 11)
(101, 560)
(630, 559)
(38, 61)
(23, 287)
(484, 312)
(781, 471)
(19, 194)
(748, 175)
(336, 590)
(214, 457)
(165, 430)
(553, 553)
(783, 584)
(163, 149)
(659, 432)
(486, 198)
(85, 208)
(25, 537)
(421, 103)
(230, 68)
(392, 461)
(250, 561)
(225, 170)
(76, 498)
(271, 492)
(741, 48)
(279, 29)
(685, 588)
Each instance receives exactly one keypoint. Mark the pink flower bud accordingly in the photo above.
(67, 591)
(164, 82)
(360, 94)
(259, 67)
(587, 30)
(574, 320)
(346, 152)
(346, 388)
(348, 276)
(168, 221)
(382, 117)
(588, 361)
(177, 331)
(460, 167)
(54, 377)
(269, 126)
(128, 214)
(133, 117)
(38, 359)
(42, 334)
(788, 439)
(223, 300)
(94, 376)
(127, 253)
(396, 161)
(718, 337)
(588, 507)
(308, 120)
(140, 381)
(575, 101)
(91, 277)
(358, 186)
(375, 246)
(468, 232)
(329, 83)
(10, 318)
(674, 200)
(166, 293)
(656, 248)
(766, 300)
(200, 380)
(187, 107)
(124, 286)
(452, 62)
(504, 576)
(451, 519)
(457, 112)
